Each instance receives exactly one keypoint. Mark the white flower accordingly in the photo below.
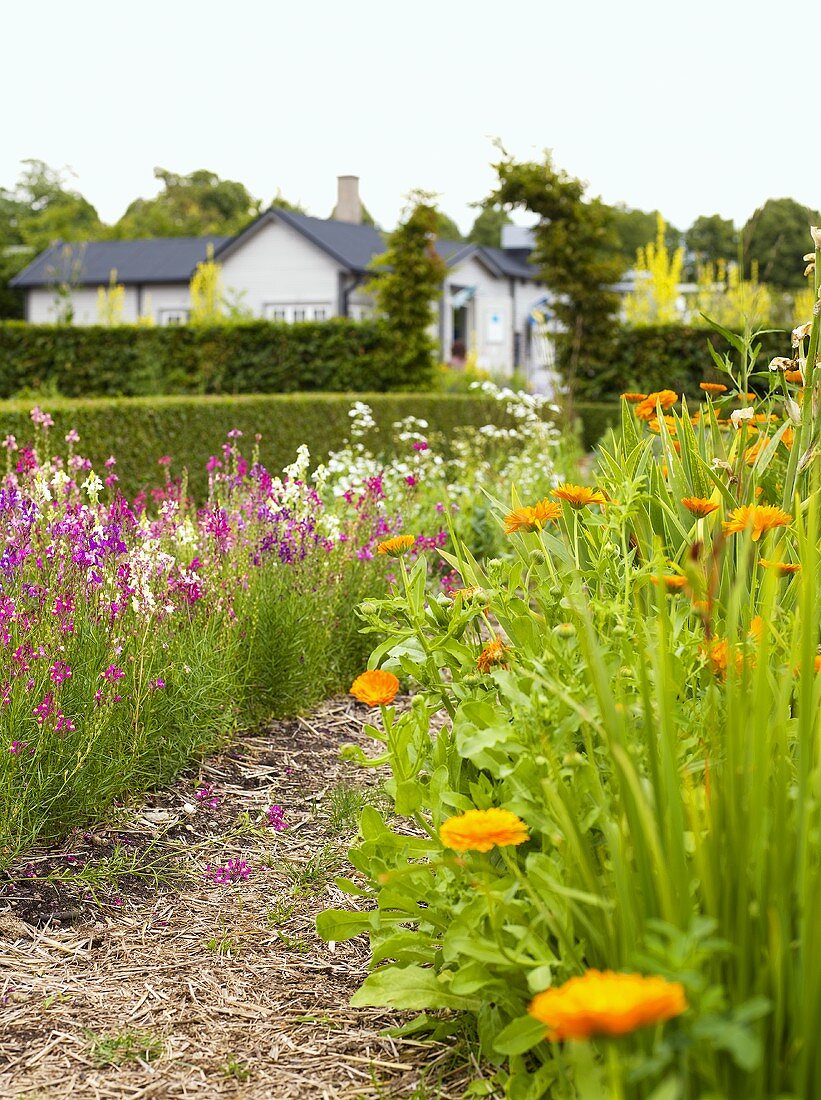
(92, 485)
(815, 233)
(742, 414)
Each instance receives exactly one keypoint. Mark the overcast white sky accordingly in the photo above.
(695, 108)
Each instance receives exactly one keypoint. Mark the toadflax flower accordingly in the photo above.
(375, 687)
(481, 830)
(603, 1002)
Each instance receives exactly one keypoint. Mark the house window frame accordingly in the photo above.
(289, 310)
(172, 316)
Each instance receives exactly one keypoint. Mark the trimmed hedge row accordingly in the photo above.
(660, 357)
(251, 357)
(138, 431)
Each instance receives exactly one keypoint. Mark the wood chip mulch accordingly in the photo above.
(126, 972)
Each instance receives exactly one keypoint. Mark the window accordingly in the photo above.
(320, 314)
(173, 316)
(299, 314)
(288, 312)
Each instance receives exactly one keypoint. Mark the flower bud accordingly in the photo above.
(538, 556)
(564, 630)
(815, 233)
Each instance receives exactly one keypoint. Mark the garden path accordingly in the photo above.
(126, 973)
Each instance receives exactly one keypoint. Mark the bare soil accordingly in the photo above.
(127, 972)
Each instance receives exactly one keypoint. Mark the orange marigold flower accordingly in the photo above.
(699, 506)
(481, 830)
(712, 387)
(375, 687)
(794, 376)
(634, 398)
(788, 438)
(531, 518)
(756, 518)
(463, 593)
(646, 410)
(719, 655)
(578, 496)
(781, 567)
(395, 547)
(603, 1002)
(493, 653)
(673, 582)
(751, 454)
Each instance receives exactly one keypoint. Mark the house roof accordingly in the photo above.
(161, 260)
(174, 259)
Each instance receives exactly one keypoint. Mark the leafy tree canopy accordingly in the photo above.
(446, 228)
(712, 238)
(41, 210)
(487, 228)
(408, 280)
(777, 236)
(190, 206)
(576, 246)
(635, 229)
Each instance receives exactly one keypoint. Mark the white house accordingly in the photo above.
(289, 267)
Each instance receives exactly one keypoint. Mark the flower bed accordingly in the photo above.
(609, 860)
(135, 634)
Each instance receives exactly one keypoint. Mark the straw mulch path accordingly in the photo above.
(135, 976)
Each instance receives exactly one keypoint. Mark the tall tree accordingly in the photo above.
(487, 228)
(407, 282)
(776, 238)
(38, 211)
(635, 229)
(446, 228)
(712, 238)
(576, 248)
(190, 206)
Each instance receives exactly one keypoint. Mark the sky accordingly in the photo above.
(697, 108)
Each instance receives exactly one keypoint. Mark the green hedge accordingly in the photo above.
(253, 357)
(660, 357)
(138, 431)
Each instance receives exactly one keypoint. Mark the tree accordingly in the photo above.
(38, 211)
(190, 206)
(576, 249)
(712, 238)
(446, 228)
(408, 280)
(487, 228)
(635, 229)
(777, 236)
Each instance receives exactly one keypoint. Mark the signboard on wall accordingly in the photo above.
(494, 327)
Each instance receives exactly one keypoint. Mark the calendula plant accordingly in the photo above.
(607, 847)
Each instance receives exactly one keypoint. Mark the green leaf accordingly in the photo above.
(409, 987)
(520, 1035)
(341, 924)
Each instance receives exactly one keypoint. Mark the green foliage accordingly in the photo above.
(775, 237)
(656, 357)
(407, 283)
(196, 205)
(41, 210)
(662, 745)
(206, 292)
(245, 357)
(487, 228)
(141, 430)
(635, 229)
(712, 238)
(122, 1047)
(575, 248)
(447, 229)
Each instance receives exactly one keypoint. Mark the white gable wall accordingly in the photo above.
(491, 315)
(278, 266)
(43, 307)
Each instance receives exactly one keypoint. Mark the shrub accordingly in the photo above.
(246, 357)
(657, 357)
(190, 429)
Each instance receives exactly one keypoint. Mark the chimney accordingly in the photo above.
(348, 204)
